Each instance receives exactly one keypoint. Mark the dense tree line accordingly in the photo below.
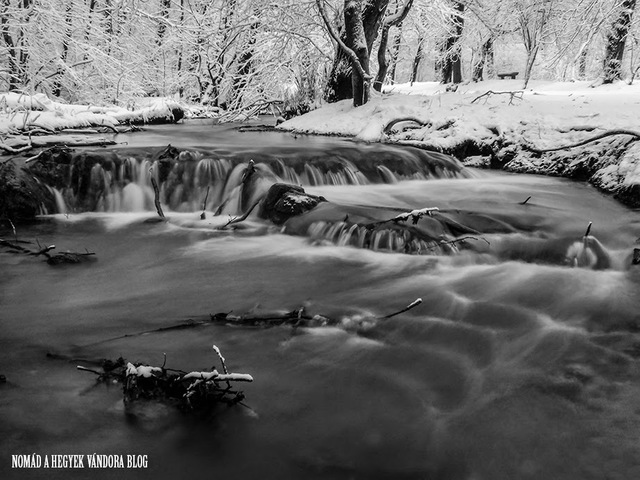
(234, 53)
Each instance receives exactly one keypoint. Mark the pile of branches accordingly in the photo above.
(52, 259)
(192, 392)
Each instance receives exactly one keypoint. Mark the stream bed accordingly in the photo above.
(520, 362)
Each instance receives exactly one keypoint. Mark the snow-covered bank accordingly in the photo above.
(19, 113)
(496, 128)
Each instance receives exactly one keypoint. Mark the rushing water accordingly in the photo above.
(517, 365)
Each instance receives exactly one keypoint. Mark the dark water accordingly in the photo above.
(517, 365)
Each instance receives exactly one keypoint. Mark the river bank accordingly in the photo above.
(496, 124)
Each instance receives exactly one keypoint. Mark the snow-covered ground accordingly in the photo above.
(548, 113)
(497, 126)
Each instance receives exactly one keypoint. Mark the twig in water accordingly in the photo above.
(586, 234)
(204, 205)
(525, 202)
(13, 227)
(413, 304)
(233, 220)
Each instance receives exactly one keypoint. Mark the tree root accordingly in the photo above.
(600, 136)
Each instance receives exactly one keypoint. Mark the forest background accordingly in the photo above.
(234, 53)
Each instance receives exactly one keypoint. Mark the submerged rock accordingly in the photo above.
(284, 201)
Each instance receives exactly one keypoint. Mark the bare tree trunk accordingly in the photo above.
(451, 63)
(180, 53)
(56, 89)
(14, 74)
(582, 64)
(616, 39)
(219, 67)
(245, 65)
(18, 53)
(486, 54)
(417, 59)
(357, 41)
(164, 14)
(395, 53)
(383, 64)
(533, 21)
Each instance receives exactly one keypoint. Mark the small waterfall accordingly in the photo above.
(386, 174)
(61, 206)
(107, 182)
(377, 239)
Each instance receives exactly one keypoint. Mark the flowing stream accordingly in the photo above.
(520, 363)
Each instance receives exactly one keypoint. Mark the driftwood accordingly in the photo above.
(514, 95)
(294, 318)
(196, 392)
(55, 259)
(600, 136)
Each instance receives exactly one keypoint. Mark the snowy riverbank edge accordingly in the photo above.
(498, 129)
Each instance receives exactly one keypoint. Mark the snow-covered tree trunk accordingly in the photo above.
(451, 63)
(395, 53)
(339, 84)
(485, 60)
(616, 39)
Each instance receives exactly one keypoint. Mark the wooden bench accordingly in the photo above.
(512, 75)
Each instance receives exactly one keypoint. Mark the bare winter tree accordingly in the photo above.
(390, 21)
(533, 16)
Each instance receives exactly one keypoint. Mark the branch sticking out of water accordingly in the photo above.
(156, 197)
(457, 240)
(233, 220)
(204, 204)
(413, 304)
(414, 215)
